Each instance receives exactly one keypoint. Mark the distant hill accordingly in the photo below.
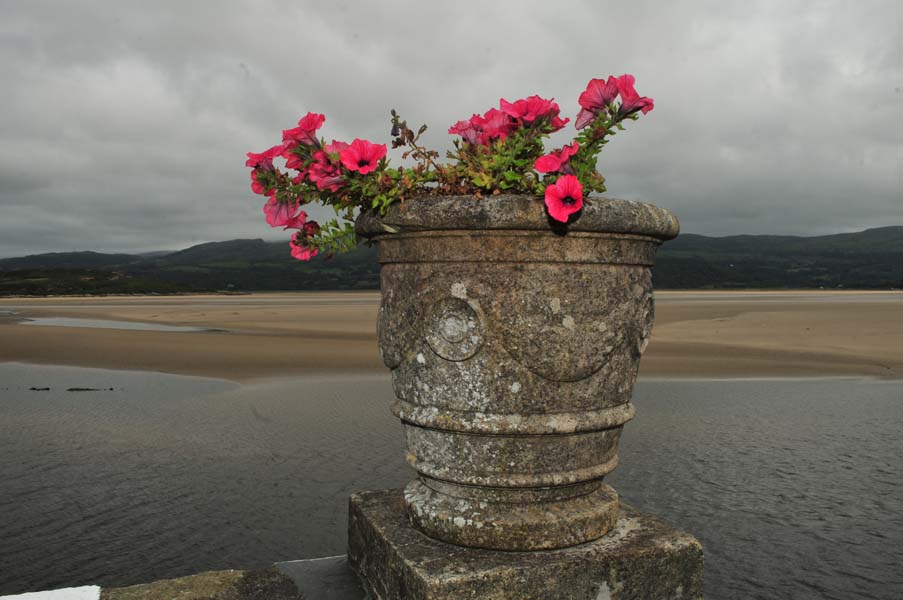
(67, 260)
(866, 259)
(242, 265)
(871, 259)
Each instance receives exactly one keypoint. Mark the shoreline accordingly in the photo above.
(704, 333)
(315, 377)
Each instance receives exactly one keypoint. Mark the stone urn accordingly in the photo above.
(514, 343)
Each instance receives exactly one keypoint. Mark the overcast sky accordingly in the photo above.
(124, 124)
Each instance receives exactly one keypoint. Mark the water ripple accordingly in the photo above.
(793, 487)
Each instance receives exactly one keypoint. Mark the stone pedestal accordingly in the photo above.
(514, 345)
(641, 558)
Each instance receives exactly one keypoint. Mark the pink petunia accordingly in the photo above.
(362, 156)
(294, 162)
(555, 161)
(264, 160)
(584, 118)
(302, 252)
(495, 124)
(530, 109)
(311, 228)
(335, 147)
(278, 214)
(306, 131)
(469, 130)
(325, 174)
(564, 198)
(515, 110)
(298, 221)
(631, 101)
(326, 178)
(595, 99)
(257, 186)
(599, 94)
(300, 244)
(558, 123)
(293, 159)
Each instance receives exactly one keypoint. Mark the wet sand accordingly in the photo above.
(697, 334)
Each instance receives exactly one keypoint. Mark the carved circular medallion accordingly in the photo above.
(454, 329)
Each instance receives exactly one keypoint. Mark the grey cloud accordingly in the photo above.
(125, 123)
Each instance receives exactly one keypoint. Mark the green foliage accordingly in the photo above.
(335, 236)
(504, 165)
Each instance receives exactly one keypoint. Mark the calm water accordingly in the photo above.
(107, 324)
(795, 487)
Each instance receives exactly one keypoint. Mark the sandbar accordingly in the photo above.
(259, 336)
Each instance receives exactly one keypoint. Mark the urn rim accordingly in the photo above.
(516, 212)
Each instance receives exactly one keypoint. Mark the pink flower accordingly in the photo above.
(260, 187)
(516, 109)
(495, 124)
(323, 171)
(599, 94)
(630, 100)
(492, 125)
(311, 228)
(300, 244)
(362, 156)
(293, 161)
(293, 156)
(278, 213)
(312, 121)
(298, 221)
(335, 147)
(263, 165)
(264, 160)
(554, 161)
(469, 130)
(596, 98)
(558, 123)
(529, 109)
(302, 252)
(564, 198)
(325, 174)
(584, 118)
(306, 131)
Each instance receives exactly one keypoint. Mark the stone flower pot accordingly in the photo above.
(514, 346)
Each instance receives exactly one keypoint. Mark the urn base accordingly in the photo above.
(641, 558)
(506, 519)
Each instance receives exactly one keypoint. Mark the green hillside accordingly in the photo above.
(871, 259)
(867, 259)
(67, 260)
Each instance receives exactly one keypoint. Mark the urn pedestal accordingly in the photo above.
(514, 345)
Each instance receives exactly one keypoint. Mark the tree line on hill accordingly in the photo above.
(871, 259)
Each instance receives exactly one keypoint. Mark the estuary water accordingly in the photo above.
(107, 324)
(794, 487)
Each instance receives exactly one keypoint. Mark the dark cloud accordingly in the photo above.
(125, 123)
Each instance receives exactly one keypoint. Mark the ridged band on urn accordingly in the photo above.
(514, 347)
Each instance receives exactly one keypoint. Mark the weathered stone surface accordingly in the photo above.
(263, 584)
(514, 346)
(508, 211)
(641, 558)
(537, 524)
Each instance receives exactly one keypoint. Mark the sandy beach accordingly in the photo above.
(696, 334)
